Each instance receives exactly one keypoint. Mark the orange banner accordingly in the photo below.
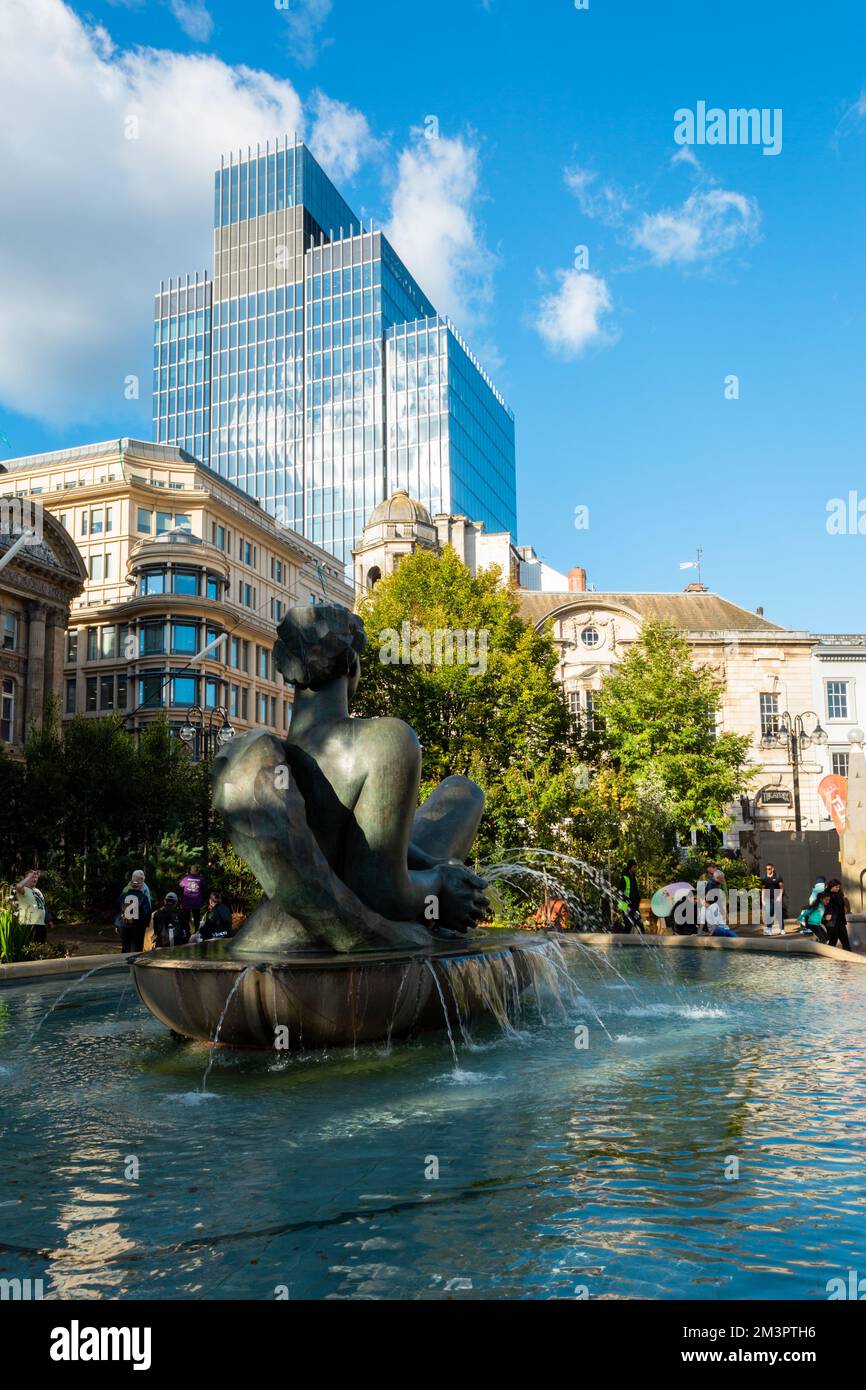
(833, 791)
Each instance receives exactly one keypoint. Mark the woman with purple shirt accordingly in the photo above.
(192, 896)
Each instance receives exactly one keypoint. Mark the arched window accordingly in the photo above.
(373, 576)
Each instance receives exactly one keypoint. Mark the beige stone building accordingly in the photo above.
(401, 525)
(38, 582)
(187, 578)
(765, 670)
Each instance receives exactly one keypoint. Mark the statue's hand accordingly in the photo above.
(462, 901)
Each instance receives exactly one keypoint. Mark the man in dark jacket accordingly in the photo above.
(218, 921)
(169, 928)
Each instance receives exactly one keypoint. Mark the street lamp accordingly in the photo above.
(204, 733)
(791, 733)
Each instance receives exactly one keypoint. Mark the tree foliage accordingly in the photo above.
(500, 720)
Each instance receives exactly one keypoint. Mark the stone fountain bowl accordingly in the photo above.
(319, 1000)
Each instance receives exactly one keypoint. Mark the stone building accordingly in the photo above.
(839, 696)
(37, 585)
(401, 525)
(186, 580)
(765, 670)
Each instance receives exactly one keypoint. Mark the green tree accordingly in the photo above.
(659, 743)
(499, 718)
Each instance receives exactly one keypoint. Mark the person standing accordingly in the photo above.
(772, 894)
(629, 899)
(32, 912)
(135, 913)
(192, 898)
(836, 915)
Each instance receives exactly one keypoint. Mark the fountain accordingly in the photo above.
(369, 925)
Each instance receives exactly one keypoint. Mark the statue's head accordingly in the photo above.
(319, 643)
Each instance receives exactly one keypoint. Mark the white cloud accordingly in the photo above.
(433, 226)
(304, 19)
(602, 202)
(570, 319)
(709, 223)
(92, 220)
(341, 138)
(194, 19)
(853, 117)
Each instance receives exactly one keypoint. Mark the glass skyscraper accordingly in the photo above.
(313, 371)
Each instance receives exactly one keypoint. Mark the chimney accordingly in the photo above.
(577, 580)
(760, 612)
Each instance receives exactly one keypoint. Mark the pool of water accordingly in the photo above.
(708, 1142)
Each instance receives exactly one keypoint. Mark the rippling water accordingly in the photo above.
(562, 1171)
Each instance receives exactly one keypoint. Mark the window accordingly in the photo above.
(264, 663)
(153, 582)
(109, 565)
(145, 520)
(218, 535)
(185, 582)
(590, 636)
(84, 523)
(150, 690)
(589, 703)
(235, 654)
(95, 568)
(64, 520)
(121, 692)
(152, 639)
(770, 715)
(10, 631)
(246, 552)
(184, 690)
(164, 522)
(125, 642)
(183, 519)
(96, 523)
(245, 703)
(234, 701)
(7, 712)
(71, 693)
(273, 711)
(90, 702)
(211, 692)
(184, 639)
(93, 644)
(109, 518)
(215, 641)
(107, 642)
(72, 645)
(214, 586)
(263, 709)
(106, 692)
(837, 700)
(840, 763)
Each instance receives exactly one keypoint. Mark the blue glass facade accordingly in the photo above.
(313, 371)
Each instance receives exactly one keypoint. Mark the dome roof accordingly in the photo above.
(401, 508)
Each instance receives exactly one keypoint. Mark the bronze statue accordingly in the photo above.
(328, 819)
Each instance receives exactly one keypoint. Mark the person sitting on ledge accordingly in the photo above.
(360, 778)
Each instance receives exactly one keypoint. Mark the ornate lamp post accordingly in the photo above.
(204, 734)
(791, 733)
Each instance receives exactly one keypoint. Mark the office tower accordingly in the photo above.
(312, 371)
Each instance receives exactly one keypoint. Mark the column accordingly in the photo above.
(55, 657)
(34, 697)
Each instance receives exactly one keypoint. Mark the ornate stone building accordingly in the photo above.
(765, 670)
(186, 579)
(37, 586)
(401, 525)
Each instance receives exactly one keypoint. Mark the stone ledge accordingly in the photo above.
(786, 946)
(64, 965)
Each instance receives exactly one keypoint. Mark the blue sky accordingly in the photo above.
(556, 130)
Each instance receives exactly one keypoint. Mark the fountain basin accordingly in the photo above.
(319, 1000)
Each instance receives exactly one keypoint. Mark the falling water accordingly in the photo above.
(216, 1037)
(435, 979)
(109, 965)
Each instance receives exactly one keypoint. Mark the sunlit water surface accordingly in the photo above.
(563, 1171)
